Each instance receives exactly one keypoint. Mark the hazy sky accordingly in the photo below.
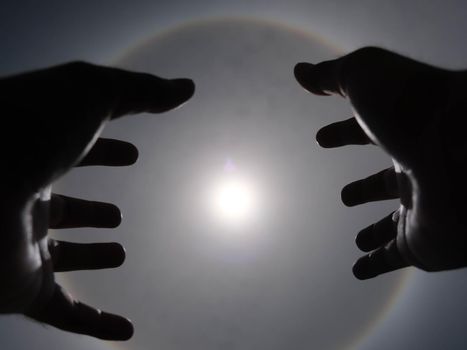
(283, 280)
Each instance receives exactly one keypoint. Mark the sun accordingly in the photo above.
(233, 200)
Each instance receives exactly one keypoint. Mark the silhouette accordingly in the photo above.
(414, 112)
(51, 121)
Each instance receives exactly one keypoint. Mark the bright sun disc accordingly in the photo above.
(233, 200)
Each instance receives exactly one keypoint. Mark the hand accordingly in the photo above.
(414, 112)
(50, 122)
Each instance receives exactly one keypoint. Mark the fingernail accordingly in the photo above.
(122, 154)
(302, 72)
(130, 154)
(363, 239)
(115, 256)
(305, 74)
(117, 328)
(362, 269)
(303, 69)
(111, 216)
(127, 330)
(185, 89)
(326, 139)
(350, 195)
(346, 195)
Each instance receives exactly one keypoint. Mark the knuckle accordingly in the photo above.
(80, 71)
(54, 251)
(57, 210)
(79, 66)
(369, 53)
(364, 59)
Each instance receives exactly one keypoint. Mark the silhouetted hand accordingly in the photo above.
(50, 121)
(415, 112)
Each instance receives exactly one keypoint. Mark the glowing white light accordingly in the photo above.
(233, 200)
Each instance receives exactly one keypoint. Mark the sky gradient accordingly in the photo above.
(430, 311)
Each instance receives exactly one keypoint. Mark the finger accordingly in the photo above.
(121, 92)
(346, 132)
(357, 67)
(378, 234)
(141, 92)
(320, 79)
(111, 152)
(68, 212)
(377, 187)
(382, 260)
(63, 312)
(68, 256)
(99, 91)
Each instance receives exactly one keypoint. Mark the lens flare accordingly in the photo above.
(233, 200)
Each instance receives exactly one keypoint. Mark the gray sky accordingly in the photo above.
(286, 280)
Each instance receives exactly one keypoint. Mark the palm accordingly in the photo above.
(59, 113)
(399, 104)
(25, 259)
